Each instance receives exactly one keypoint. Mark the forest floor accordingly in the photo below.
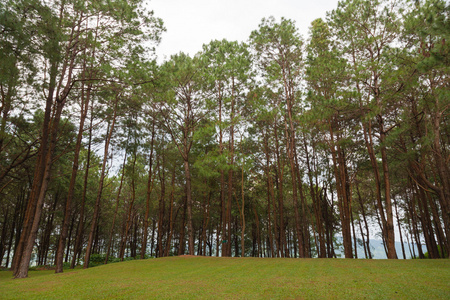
(238, 278)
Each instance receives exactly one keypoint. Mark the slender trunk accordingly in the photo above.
(80, 228)
(230, 190)
(399, 229)
(415, 231)
(316, 204)
(218, 232)
(65, 225)
(108, 246)
(363, 239)
(181, 248)
(44, 240)
(276, 225)
(427, 228)
(354, 237)
(16, 221)
(189, 207)
(69, 239)
(161, 207)
(205, 224)
(320, 221)
(152, 239)
(221, 230)
(342, 188)
(3, 236)
(230, 170)
(38, 180)
(269, 194)
(149, 192)
(130, 216)
(37, 200)
(366, 225)
(280, 185)
(411, 253)
(299, 228)
(258, 235)
(327, 221)
(169, 238)
(87, 256)
(243, 215)
(305, 211)
(392, 254)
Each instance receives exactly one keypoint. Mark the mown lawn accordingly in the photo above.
(238, 278)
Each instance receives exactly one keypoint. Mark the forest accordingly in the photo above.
(282, 146)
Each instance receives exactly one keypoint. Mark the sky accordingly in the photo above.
(192, 23)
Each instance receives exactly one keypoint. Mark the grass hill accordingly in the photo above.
(238, 278)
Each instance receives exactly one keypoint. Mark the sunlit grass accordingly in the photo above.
(237, 278)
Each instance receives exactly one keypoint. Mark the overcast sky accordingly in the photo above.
(192, 23)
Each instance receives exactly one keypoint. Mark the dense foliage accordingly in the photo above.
(278, 147)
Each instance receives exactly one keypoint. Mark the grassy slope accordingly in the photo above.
(232, 278)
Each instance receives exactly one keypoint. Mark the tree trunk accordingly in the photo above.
(169, 238)
(279, 186)
(365, 220)
(161, 207)
(20, 267)
(130, 215)
(354, 237)
(80, 228)
(269, 194)
(65, 225)
(87, 256)
(69, 239)
(189, 207)
(243, 216)
(181, 248)
(149, 191)
(299, 228)
(116, 209)
(425, 220)
(17, 220)
(399, 229)
(3, 235)
(223, 216)
(392, 254)
(363, 239)
(342, 188)
(37, 197)
(316, 204)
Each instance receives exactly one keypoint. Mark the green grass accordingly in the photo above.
(237, 278)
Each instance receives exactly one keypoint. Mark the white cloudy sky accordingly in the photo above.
(192, 23)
